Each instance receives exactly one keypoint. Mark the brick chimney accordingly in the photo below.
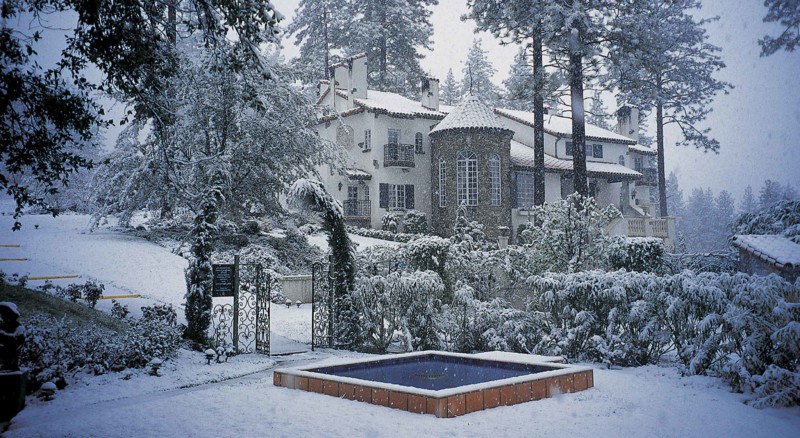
(430, 93)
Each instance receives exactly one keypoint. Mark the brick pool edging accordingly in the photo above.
(445, 403)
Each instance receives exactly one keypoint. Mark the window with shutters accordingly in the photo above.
(494, 179)
(467, 178)
(396, 196)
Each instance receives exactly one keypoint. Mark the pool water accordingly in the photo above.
(433, 372)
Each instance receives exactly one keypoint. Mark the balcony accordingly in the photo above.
(663, 228)
(398, 155)
(356, 209)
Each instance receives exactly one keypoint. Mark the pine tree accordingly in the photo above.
(391, 32)
(520, 84)
(725, 215)
(319, 27)
(674, 75)
(450, 90)
(477, 75)
(787, 14)
(771, 193)
(698, 225)
(748, 204)
(675, 196)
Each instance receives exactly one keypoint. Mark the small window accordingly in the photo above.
(569, 148)
(622, 160)
(418, 143)
(638, 164)
(524, 189)
(597, 150)
(588, 149)
(367, 139)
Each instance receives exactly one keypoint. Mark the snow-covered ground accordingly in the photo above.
(238, 399)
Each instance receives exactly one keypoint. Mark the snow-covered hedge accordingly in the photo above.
(383, 234)
(639, 254)
(739, 327)
(56, 347)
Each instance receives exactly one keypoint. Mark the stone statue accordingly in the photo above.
(12, 336)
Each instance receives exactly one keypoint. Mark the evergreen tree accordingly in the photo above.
(674, 75)
(477, 75)
(450, 90)
(748, 204)
(725, 215)
(520, 84)
(787, 14)
(698, 225)
(675, 202)
(319, 27)
(789, 192)
(771, 193)
(391, 32)
(199, 282)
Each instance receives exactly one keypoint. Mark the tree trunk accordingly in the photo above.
(538, 121)
(578, 117)
(172, 29)
(325, 73)
(662, 181)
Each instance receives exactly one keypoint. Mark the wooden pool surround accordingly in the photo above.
(491, 394)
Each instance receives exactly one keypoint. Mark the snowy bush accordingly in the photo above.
(569, 235)
(431, 254)
(717, 261)
(468, 233)
(781, 218)
(383, 235)
(155, 334)
(119, 310)
(415, 222)
(390, 222)
(637, 254)
(90, 291)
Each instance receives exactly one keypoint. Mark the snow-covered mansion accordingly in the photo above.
(422, 155)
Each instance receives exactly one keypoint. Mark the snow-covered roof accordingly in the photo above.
(522, 156)
(642, 149)
(357, 174)
(471, 113)
(397, 105)
(562, 126)
(772, 248)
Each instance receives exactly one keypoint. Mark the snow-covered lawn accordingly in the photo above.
(238, 398)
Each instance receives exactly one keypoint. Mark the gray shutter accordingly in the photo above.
(383, 199)
(410, 196)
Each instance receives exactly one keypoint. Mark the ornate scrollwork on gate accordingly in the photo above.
(246, 320)
(322, 310)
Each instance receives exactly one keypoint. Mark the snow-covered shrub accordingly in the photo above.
(155, 334)
(781, 218)
(637, 254)
(415, 222)
(250, 227)
(399, 301)
(119, 310)
(468, 233)
(383, 235)
(198, 273)
(431, 254)
(569, 235)
(717, 261)
(390, 222)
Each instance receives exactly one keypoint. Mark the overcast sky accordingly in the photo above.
(758, 124)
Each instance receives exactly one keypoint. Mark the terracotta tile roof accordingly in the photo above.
(562, 126)
(775, 249)
(642, 149)
(522, 156)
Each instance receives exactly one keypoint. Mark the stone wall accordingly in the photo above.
(447, 145)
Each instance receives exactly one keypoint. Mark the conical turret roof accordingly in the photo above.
(471, 113)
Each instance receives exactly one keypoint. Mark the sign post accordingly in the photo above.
(236, 304)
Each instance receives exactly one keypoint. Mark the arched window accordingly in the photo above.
(622, 160)
(467, 178)
(494, 179)
(442, 182)
(418, 143)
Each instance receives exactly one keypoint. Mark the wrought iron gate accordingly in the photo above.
(322, 307)
(243, 322)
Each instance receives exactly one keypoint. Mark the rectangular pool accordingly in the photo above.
(439, 383)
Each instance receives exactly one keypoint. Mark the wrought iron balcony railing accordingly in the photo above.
(398, 155)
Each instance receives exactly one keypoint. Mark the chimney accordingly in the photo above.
(430, 93)
(628, 121)
(357, 69)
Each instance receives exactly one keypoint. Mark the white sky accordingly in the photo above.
(758, 124)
